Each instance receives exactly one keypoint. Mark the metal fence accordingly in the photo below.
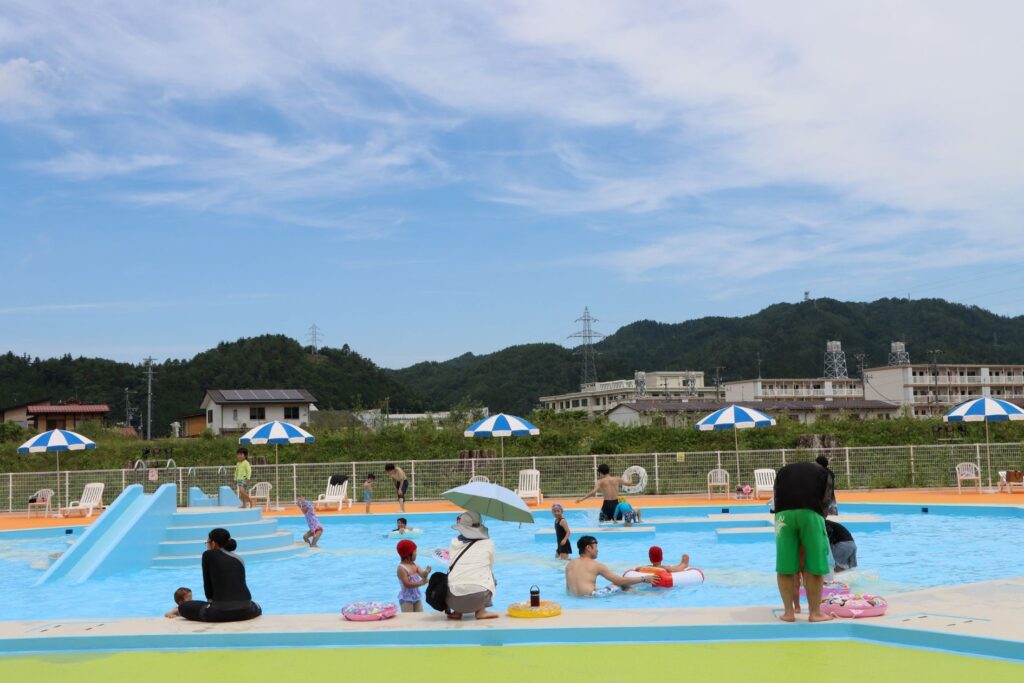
(568, 475)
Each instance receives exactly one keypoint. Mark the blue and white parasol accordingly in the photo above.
(985, 410)
(276, 432)
(501, 425)
(56, 440)
(735, 418)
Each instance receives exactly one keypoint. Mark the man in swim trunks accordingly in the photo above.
(581, 574)
(608, 486)
(563, 549)
(801, 499)
(401, 482)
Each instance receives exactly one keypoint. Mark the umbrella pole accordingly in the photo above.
(988, 457)
(501, 442)
(58, 484)
(277, 481)
(736, 439)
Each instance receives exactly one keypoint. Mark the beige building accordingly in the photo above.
(805, 411)
(933, 389)
(599, 397)
(823, 389)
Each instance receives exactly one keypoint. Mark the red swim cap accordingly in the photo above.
(654, 554)
(405, 547)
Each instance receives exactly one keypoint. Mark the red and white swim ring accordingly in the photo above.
(691, 576)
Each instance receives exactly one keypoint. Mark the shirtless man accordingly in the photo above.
(581, 574)
(608, 486)
(400, 481)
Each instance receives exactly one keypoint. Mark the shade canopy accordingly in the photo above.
(984, 409)
(490, 500)
(734, 417)
(501, 425)
(276, 432)
(56, 440)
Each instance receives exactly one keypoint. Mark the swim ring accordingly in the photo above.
(854, 606)
(409, 533)
(369, 611)
(691, 576)
(523, 610)
(829, 589)
(641, 480)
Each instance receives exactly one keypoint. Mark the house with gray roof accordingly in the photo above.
(238, 410)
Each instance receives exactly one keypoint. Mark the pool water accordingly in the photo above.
(358, 562)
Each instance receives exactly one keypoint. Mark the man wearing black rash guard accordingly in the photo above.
(228, 597)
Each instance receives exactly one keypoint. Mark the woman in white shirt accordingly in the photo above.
(471, 579)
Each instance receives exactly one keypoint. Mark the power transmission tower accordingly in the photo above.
(898, 354)
(835, 361)
(316, 337)
(587, 337)
(149, 397)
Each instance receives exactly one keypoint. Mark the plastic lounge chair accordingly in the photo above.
(92, 499)
(1010, 479)
(967, 471)
(718, 478)
(261, 491)
(764, 480)
(40, 500)
(336, 495)
(479, 478)
(529, 486)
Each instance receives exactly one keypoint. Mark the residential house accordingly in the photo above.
(237, 410)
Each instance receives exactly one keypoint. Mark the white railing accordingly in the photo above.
(568, 475)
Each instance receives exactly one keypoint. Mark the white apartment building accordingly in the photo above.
(793, 389)
(237, 410)
(599, 397)
(933, 389)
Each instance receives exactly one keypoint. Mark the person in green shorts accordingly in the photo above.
(243, 473)
(802, 495)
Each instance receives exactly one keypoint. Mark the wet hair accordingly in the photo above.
(179, 595)
(821, 460)
(603, 468)
(403, 520)
(372, 476)
(222, 537)
(243, 451)
(583, 542)
(389, 467)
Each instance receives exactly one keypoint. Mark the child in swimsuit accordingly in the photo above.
(563, 549)
(315, 529)
(181, 595)
(626, 512)
(410, 577)
(368, 490)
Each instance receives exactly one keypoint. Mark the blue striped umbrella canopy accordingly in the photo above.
(734, 417)
(501, 425)
(985, 410)
(276, 432)
(490, 500)
(56, 440)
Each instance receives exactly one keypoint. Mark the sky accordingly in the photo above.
(420, 180)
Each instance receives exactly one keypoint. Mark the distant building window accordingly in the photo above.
(291, 412)
(258, 413)
(209, 417)
(234, 414)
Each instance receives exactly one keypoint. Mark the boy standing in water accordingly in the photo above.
(368, 490)
(401, 482)
(243, 473)
(609, 489)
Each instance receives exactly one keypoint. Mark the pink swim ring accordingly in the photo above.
(369, 611)
(853, 606)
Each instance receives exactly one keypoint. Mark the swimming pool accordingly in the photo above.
(358, 562)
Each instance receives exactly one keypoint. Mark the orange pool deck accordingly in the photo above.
(11, 521)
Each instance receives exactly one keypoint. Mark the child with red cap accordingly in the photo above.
(655, 556)
(410, 577)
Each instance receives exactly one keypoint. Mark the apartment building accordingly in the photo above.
(932, 390)
(793, 389)
(597, 398)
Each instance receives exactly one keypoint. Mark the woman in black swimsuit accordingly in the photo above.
(227, 596)
(564, 549)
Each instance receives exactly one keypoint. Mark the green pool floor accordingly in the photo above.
(789, 662)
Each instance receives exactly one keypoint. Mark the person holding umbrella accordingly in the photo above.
(471, 582)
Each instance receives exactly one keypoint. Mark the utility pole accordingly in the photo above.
(149, 398)
(759, 365)
(718, 379)
(861, 362)
(935, 353)
(127, 408)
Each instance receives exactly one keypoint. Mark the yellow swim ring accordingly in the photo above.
(522, 610)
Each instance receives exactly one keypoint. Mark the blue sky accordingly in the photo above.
(425, 180)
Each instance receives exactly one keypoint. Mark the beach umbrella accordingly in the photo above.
(501, 425)
(735, 418)
(985, 410)
(56, 440)
(490, 500)
(277, 433)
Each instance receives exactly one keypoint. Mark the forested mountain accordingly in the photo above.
(790, 339)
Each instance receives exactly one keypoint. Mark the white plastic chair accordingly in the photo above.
(92, 499)
(42, 499)
(718, 478)
(261, 491)
(764, 480)
(479, 478)
(336, 495)
(967, 471)
(529, 486)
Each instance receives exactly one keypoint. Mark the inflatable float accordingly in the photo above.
(641, 480)
(829, 589)
(523, 610)
(691, 576)
(853, 606)
(409, 533)
(369, 611)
